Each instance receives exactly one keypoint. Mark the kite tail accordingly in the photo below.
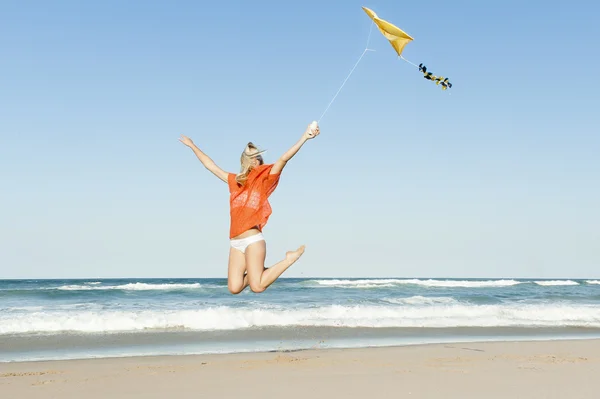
(439, 80)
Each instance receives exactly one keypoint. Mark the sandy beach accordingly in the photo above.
(543, 369)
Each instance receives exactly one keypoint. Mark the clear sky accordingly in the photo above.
(500, 178)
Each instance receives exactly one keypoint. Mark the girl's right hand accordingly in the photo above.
(186, 140)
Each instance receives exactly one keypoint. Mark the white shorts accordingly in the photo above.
(242, 243)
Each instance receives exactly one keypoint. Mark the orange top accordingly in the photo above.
(249, 204)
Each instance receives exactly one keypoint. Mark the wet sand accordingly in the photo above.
(544, 369)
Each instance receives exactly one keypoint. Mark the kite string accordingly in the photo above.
(415, 65)
(369, 37)
(351, 71)
(342, 86)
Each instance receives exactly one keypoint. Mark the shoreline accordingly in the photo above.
(499, 369)
(466, 341)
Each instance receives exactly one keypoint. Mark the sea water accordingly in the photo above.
(66, 319)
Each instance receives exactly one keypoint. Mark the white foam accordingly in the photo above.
(22, 308)
(420, 300)
(467, 283)
(228, 318)
(427, 283)
(368, 286)
(556, 282)
(593, 281)
(129, 287)
(371, 282)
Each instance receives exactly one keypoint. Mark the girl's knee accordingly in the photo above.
(235, 289)
(257, 287)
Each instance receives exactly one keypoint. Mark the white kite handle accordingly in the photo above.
(313, 127)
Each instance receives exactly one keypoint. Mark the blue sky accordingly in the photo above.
(497, 179)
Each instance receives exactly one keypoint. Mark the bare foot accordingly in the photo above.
(293, 256)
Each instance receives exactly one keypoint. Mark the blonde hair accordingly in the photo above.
(250, 153)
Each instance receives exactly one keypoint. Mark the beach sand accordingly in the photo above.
(543, 369)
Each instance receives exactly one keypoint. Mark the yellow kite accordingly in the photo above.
(399, 39)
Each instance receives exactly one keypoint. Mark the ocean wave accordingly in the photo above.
(22, 309)
(556, 282)
(331, 283)
(129, 287)
(228, 318)
(593, 281)
(427, 283)
(420, 300)
(366, 285)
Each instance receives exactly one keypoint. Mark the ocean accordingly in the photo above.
(70, 319)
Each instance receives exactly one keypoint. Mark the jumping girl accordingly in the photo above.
(249, 211)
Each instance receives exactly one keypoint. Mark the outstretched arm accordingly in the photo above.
(205, 159)
(310, 133)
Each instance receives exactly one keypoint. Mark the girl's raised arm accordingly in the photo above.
(311, 132)
(205, 159)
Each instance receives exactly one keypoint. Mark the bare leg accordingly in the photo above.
(260, 277)
(237, 279)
